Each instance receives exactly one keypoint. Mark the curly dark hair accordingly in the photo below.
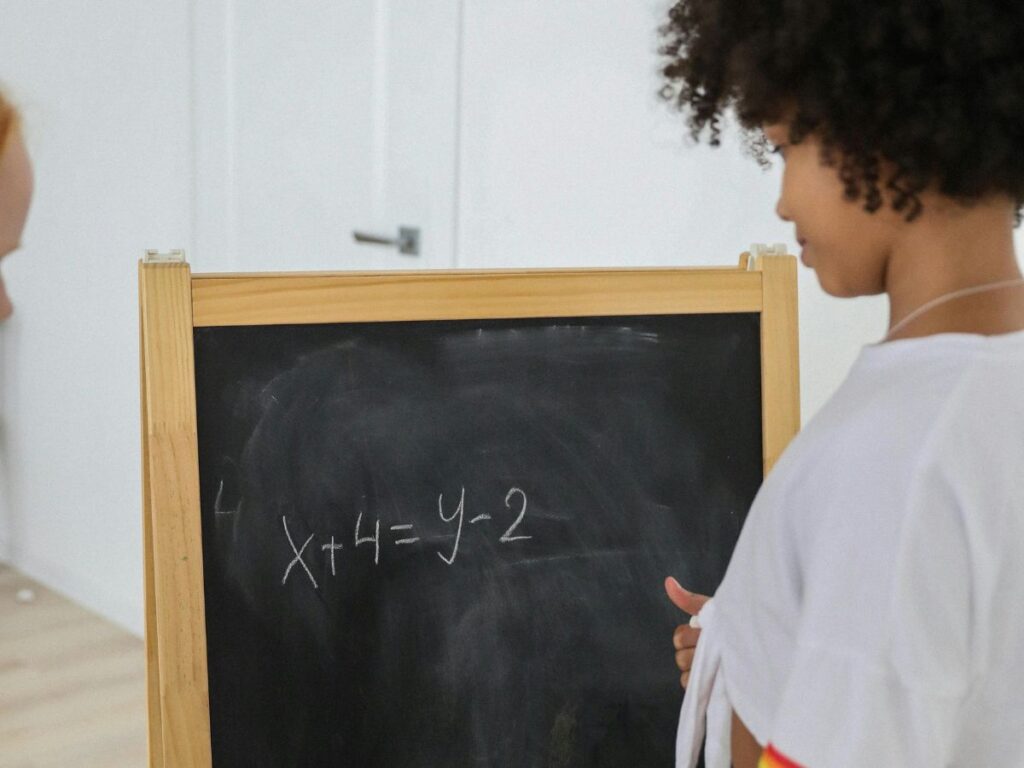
(935, 87)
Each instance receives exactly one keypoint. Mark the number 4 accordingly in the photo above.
(375, 538)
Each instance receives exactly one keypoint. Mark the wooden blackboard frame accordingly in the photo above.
(173, 302)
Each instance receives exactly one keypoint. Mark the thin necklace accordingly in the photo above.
(946, 297)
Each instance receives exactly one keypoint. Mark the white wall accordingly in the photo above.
(104, 87)
(566, 159)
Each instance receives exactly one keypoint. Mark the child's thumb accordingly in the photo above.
(683, 599)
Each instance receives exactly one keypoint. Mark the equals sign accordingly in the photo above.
(404, 527)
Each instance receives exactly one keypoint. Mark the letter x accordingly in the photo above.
(298, 555)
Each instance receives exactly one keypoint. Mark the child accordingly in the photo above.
(15, 190)
(873, 610)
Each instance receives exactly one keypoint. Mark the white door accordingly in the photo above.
(316, 119)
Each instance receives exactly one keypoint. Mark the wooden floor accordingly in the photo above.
(72, 686)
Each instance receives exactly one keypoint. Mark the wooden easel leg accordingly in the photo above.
(780, 355)
(155, 725)
(179, 702)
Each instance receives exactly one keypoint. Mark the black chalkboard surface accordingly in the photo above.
(442, 543)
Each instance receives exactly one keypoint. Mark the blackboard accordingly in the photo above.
(571, 435)
(442, 543)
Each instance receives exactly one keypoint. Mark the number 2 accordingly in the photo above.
(506, 537)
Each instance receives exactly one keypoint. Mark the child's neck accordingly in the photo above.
(983, 314)
(948, 250)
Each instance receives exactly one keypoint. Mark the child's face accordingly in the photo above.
(847, 247)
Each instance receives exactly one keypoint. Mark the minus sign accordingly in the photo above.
(479, 517)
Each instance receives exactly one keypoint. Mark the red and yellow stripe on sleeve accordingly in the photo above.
(772, 758)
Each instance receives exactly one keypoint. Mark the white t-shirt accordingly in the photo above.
(873, 610)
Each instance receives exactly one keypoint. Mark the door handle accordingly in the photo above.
(408, 240)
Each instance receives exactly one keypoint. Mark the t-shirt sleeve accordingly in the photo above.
(758, 606)
(886, 689)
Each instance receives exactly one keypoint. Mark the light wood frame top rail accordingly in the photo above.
(339, 297)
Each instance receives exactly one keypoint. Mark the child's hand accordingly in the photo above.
(684, 639)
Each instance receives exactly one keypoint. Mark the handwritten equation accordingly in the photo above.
(515, 501)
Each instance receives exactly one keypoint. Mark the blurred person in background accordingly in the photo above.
(15, 191)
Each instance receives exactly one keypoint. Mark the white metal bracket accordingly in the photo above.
(176, 256)
(763, 249)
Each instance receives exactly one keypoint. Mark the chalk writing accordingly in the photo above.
(331, 547)
(298, 554)
(515, 501)
(375, 538)
(506, 537)
(217, 510)
(411, 540)
(460, 513)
